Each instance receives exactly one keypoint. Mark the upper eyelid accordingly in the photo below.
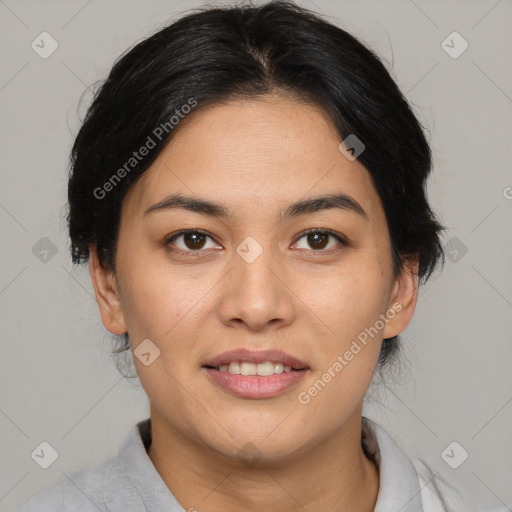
(168, 239)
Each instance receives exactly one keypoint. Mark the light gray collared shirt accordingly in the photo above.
(129, 481)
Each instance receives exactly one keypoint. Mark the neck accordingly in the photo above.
(335, 473)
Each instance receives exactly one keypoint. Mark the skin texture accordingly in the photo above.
(256, 157)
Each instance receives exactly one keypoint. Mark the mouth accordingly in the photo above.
(261, 369)
(255, 375)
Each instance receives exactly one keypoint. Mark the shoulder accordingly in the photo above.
(437, 495)
(113, 485)
(407, 484)
(82, 491)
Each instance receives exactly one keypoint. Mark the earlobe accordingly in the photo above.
(107, 295)
(403, 300)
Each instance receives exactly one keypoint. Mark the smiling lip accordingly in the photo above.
(255, 386)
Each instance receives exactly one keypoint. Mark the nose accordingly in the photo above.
(257, 294)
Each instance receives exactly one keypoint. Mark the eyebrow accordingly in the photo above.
(213, 209)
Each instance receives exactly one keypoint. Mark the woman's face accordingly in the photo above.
(251, 280)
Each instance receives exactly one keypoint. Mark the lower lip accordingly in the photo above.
(249, 386)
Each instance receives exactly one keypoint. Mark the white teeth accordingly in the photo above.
(278, 368)
(265, 369)
(262, 369)
(234, 368)
(248, 369)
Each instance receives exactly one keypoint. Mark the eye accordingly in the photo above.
(193, 242)
(318, 239)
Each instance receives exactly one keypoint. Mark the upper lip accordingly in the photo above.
(253, 356)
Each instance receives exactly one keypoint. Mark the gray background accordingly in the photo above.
(58, 382)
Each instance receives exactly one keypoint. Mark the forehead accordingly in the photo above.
(250, 155)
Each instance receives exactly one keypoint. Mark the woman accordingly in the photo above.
(249, 188)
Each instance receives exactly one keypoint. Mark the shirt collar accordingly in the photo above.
(399, 488)
(143, 484)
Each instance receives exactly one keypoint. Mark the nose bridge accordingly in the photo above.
(256, 293)
(254, 266)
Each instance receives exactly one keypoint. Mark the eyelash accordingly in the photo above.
(180, 252)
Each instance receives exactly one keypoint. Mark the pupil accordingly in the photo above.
(313, 240)
(191, 240)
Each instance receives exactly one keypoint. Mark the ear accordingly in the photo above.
(107, 295)
(403, 300)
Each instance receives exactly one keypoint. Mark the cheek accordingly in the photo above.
(350, 306)
(157, 296)
(168, 308)
(350, 299)
(348, 356)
